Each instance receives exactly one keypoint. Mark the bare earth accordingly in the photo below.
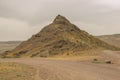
(47, 69)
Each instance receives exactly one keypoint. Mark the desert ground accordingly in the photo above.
(60, 69)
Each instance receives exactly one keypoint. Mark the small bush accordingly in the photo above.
(95, 59)
(108, 62)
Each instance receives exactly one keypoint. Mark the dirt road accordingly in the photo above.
(71, 70)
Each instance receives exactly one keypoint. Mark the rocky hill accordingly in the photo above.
(58, 38)
(111, 39)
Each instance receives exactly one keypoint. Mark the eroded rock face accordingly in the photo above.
(59, 37)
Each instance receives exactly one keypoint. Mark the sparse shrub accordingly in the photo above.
(20, 53)
(72, 30)
(43, 56)
(37, 35)
(68, 54)
(108, 62)
(95, 59)
(33, 55)
(18, 75)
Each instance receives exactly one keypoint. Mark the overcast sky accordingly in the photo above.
(20, 19)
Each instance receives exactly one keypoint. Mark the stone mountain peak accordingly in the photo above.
(61, 20)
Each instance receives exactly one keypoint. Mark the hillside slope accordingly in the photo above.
(8, 46)
(111, 39)
(58, 38)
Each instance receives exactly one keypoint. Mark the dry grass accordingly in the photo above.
(81, 56)
(74, 58)
(15, 71)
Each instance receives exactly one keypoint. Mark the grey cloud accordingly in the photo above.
(37, 11)
(95, 15)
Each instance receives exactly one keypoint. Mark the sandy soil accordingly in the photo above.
(71, 70)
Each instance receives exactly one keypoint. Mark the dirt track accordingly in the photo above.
(70, 70)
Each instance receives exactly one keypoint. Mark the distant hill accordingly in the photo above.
(8, 45)
(111, 39)
(58, 38)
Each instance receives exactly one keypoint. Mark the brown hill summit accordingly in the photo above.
(59, 37)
